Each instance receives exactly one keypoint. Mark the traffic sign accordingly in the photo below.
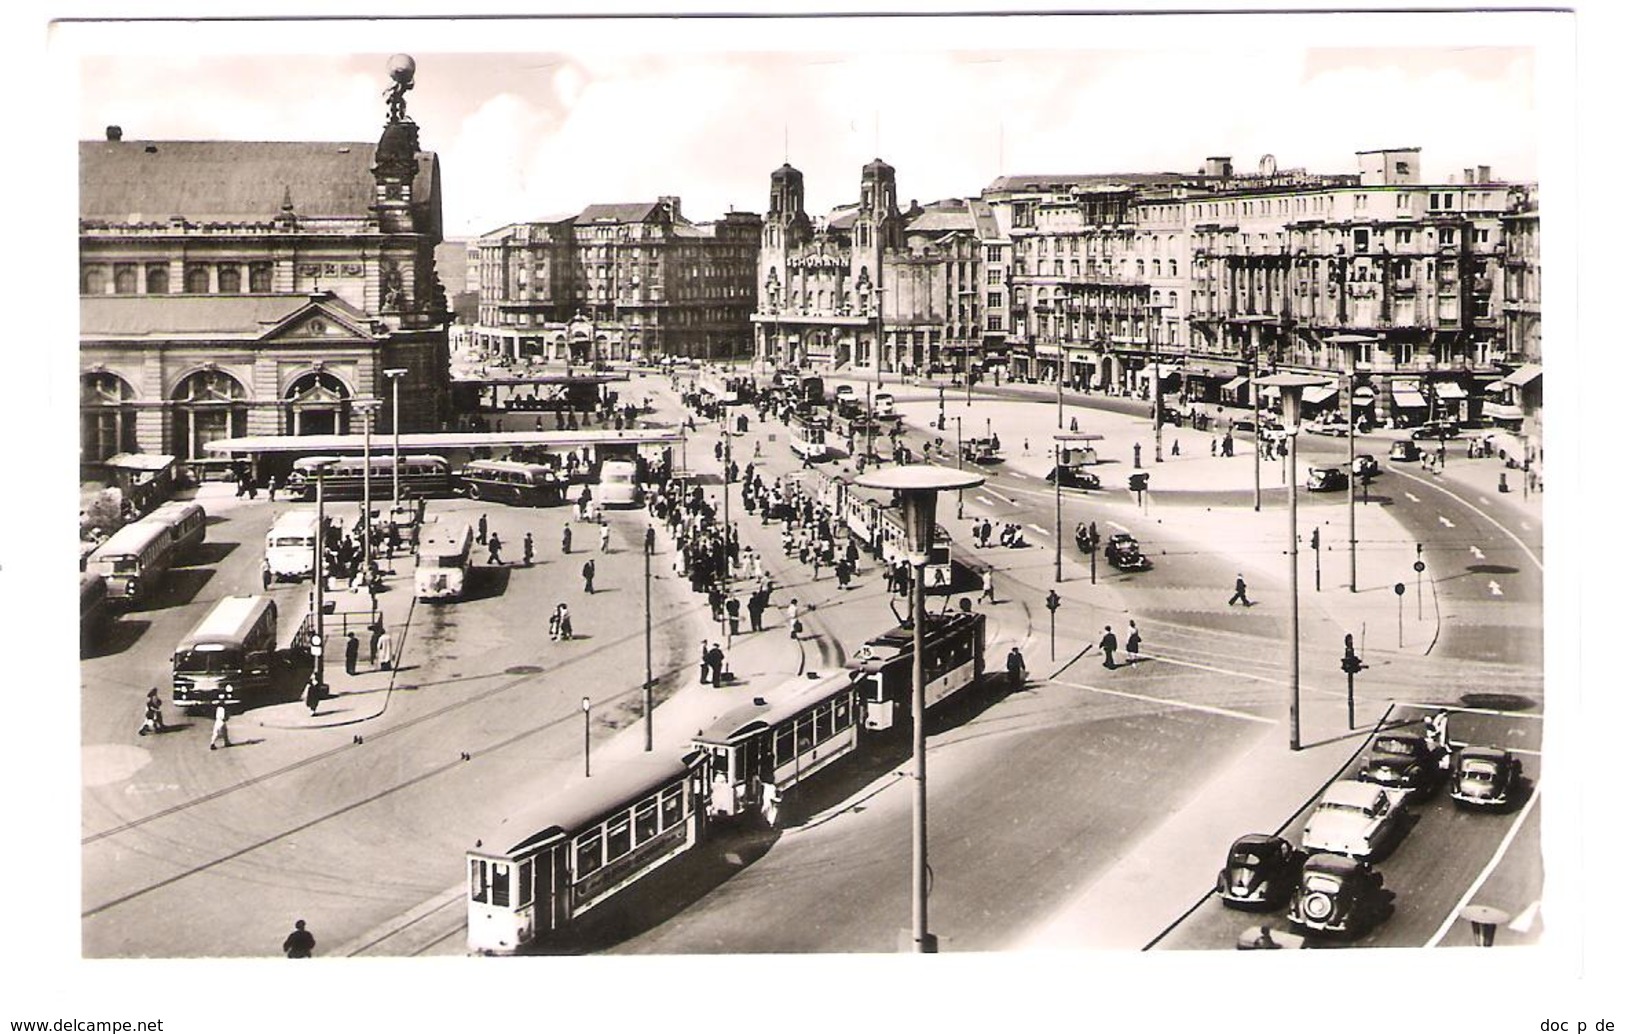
(1399, 588)
(1419, 567)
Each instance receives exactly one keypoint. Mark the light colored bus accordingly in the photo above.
(422, 476)
(443, 558)
(186, 522)
(618, 484)
(227, 658)
(506, 481)
(290, 546)
(133, 560)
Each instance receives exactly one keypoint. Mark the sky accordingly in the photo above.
(534, 119)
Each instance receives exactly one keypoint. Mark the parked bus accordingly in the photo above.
(505, 481)
(133, 560)
(618, 484)
(290, 546)
(227, 658)
(186, 522)
(94, 612)
(443, 558)
(423, 476)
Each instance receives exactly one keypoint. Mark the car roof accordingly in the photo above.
(1484, 753)
(1256, 840)
(1325, 861)
(1352, 792)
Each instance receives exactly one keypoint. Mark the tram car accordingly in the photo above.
(807, 438)
(581, 846)
(955, 657)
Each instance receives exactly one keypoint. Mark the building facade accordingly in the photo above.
(231, 288)
(618, 281)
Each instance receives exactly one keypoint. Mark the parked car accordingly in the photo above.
(1365, 466)
(1361, 820)
(1484, 777)
(1335, 424)
(1435, 429)
(1261, 871)
(1339, 895)
(1404, 761)
(1123, 552)
(1404, 451)
(1073, 477)
(1327, 479)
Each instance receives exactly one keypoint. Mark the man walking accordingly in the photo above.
(1240, 593)
(481, 534)
(732, 608)
(300, 943)
(219, 736)
(588, 569)
(715, 658)
(1016, 669)
(1108, 647)
(649, 540)
(603, 538)
(792, 615)
(566, 538)
(705, 662)
(529, 547)
(755, 606)
(376, 634)
(987, 587)
(352, 653)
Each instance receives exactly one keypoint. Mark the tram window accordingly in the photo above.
(618, 841)
(499, 885)
(526, 881)
(821, 723)
(589, 853)
(646, 820)
(671, 806)
(843, 713)
(476, 880)
(804, 734)
(784, 739)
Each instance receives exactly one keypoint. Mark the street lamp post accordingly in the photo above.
(395, 376)
(918, 485)
(1291, 386)
(1352, 539)
(727, 533)
(586, 737)
(1258, 432)
(319, 567)
(959, 450)
(368, 406)
(1057, 513)
(648, 653)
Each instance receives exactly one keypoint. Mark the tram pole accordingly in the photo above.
(395, 376)
(586, 737)
(648, 661)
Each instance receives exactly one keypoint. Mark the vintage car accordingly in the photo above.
(1365, 466)
(1123, 552)
(982, 450)
(1339, 895)
(1361, 820)
(1436, 429)
(1081, 536)
(1327, 479)
(1073, 477)
(1404, 451)
(1484, 777)
(1335, 424)
(1261, 871)
(1404, 761)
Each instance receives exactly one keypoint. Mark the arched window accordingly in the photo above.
(157, 279)
(231, 280)
(208, 404)
(106, 421)
(317, 403)
(197, 279)
(1156, 267)
(93, 280)
(1173, 267)
(124, 279)
(259, 278)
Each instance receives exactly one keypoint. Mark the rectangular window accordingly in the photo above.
(843, 713)
(804, 734)
(527, 882)
(1362, 240)
(646, 820)
(995, 323)
(499, 885)
(821, 723)
(479, 888)
(995, 299)
(1402, 236)
(784, 744)
(589, 853)
(1447, 237)
(671, 806)
(618, 839)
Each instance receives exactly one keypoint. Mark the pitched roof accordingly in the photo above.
(1088, 179)
(628, 212)
(943, 216)
(222, 180)
(201, 315)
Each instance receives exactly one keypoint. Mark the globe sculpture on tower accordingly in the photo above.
(401, 69)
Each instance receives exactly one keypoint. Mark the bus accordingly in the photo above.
(505, 481)
(290, 546)
(186, 522)
(227, 658)
(807, 438)
(132, 561)
(443, 557)
(618, 484)
(94, 614)
(423, 476)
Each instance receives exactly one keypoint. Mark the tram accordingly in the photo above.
(955, 657)
(807, 438)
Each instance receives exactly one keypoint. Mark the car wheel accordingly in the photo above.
(473, 491)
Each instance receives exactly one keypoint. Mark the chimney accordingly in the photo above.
(1483, 174)
(673, 206)
(1467, 174)
(115, 133)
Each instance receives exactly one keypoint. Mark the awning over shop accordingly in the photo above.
(1165, 370)
(1498, 411)
(1209, 370)
(1234, 384)
(1409, 398)
(1523, 375)
(1315, 395)
(1495, 387)
(1364, 394)
(1449, 390)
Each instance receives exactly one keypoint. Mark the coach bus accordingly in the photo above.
(422, 476)
(506, 481)
(443, 558)
(186, 522)
(290, 546)
(227, 658)
(133, 560)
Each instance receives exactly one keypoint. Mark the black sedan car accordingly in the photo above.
(1327, 479)
(1365, 466)
(1260, 872)
(1073, 477)
(1123, 552)
(1404, 761)
(1436, 429)
(1339, 895)
(1484, 777)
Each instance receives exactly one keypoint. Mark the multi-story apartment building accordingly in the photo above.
(615, 281)
(1518, 397)
(231, 288)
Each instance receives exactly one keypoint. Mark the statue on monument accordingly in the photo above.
(401, 70)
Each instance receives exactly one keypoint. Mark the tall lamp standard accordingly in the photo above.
(368, 405)
(1062, 441)
(1291, 386)
(319, 464)
(917, 485)
(395, 376)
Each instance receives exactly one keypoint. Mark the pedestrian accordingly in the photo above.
(649, 540)
(265, 575)
(792, 615)
(1176, 446)
(1108, 647)
(386, 650)
(553, 624)
(1213, 446)
(219, 736)
(588, 569)
(717, 661)
(153, 719)
(1240, 593)
(566, 631)
(705, 662)
(732, 608)
(1016, 668)
(529, 548)
(1131, 647)
(352, 653)
(496, 550)
(271, 487)
(566, 538)
(603, 538)
(987, 587)
(484, 528)
(754, 607)
(584, 501)
(299, 944)
(1437, 727)
(376, 634)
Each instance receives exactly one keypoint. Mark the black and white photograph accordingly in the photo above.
(723, 498)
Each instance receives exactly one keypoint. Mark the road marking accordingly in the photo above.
(1495, 860)
(1209, 709)
(1497, 524)
(996, 495)
(1445, 521)
(1526, 918)
(1017, 474)
(1478, 554)
(1413, 705)
(1495, 587)
(1114, 524)
(1412, 498)
(1041, 531)
(1481, 499)
(984, 500)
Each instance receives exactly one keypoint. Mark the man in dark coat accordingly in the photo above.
(1108, 647)
(588, 569)
(352, 653)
